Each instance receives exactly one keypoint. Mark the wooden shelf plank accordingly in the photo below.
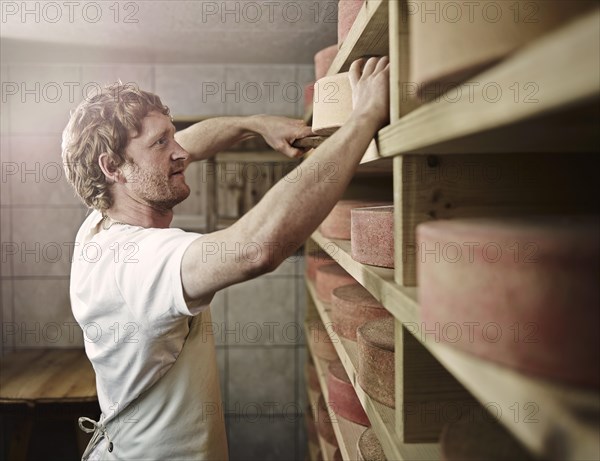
(562, 410)
(382, 418)
(368, 36)
(537, 412)
(400, 301)
(554, 73)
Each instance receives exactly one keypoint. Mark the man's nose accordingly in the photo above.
(179, 153)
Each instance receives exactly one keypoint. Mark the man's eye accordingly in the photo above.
(161, 142)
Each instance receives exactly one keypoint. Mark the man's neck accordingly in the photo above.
(138, 214)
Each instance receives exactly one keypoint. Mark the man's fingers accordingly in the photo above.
(382, 64)
(355, 71)
(306, 131)
(369, 67)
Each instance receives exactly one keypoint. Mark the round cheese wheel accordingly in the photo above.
(332, 104)
(342, 396)
(352, 306)
(309, 94)
(522, 292)
(453, 40)
(314, 260)
(323, 60)
(338, 224)
(369, 448)
(311, 376)
(329, 277)
(311, 429)
(376, 369)
(320, 341)
(323, 422)
(337, 455)
(372, 235)
(347, 12)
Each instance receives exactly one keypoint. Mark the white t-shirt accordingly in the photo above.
(127, 296)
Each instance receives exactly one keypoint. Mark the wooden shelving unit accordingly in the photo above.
(561, 120)
(368, 37)
(558, 73)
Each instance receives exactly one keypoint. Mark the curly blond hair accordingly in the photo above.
(103, 123)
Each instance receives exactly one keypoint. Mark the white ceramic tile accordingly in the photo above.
(7, 89)
(222, 365)
(8, 331)
(101, 75)
(45, 97)
(261, 379)
(8, 169)
(301, 397)
(256, 89)
(191, 90)
(43, 314)
(264, 438)
(217, 310)
(40, 178)
(6, 241)
(286, 268)
(44, 238)
(262, 311)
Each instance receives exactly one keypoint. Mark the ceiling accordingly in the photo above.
(168, 31)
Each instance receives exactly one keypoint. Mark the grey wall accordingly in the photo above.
(39, 216)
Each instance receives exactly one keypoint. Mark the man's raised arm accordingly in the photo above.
(205, 139)
(287, 215)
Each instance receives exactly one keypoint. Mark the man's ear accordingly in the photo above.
(109, 168)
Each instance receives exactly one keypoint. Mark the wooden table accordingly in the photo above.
(31, 381)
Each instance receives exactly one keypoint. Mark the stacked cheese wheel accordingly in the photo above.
(453, 40)
(522, 292)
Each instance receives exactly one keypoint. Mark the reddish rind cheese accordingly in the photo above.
(329, 277)
(309, 94)
(311, 429)
(376, 360)
(320, 341)
(323, 60)
(369, 448)
(314, 260)
(451, 41)
(522, 292)
(352, 306)
(480, 438)
(342, 396)
(337, 225)
(311, 376)
(372, 235)
(323, 423)
(347, 12)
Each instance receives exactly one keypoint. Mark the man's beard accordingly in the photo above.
(158, 190)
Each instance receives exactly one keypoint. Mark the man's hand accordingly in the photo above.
(370, 89)
(281, 132)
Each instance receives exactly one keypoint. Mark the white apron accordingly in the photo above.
(179, 418)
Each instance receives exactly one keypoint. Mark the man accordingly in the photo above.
(141, 291)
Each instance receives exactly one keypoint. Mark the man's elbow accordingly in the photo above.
(262, 261)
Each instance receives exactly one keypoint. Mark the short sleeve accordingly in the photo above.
(148, 272)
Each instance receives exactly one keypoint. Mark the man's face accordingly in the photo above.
(156, 175)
